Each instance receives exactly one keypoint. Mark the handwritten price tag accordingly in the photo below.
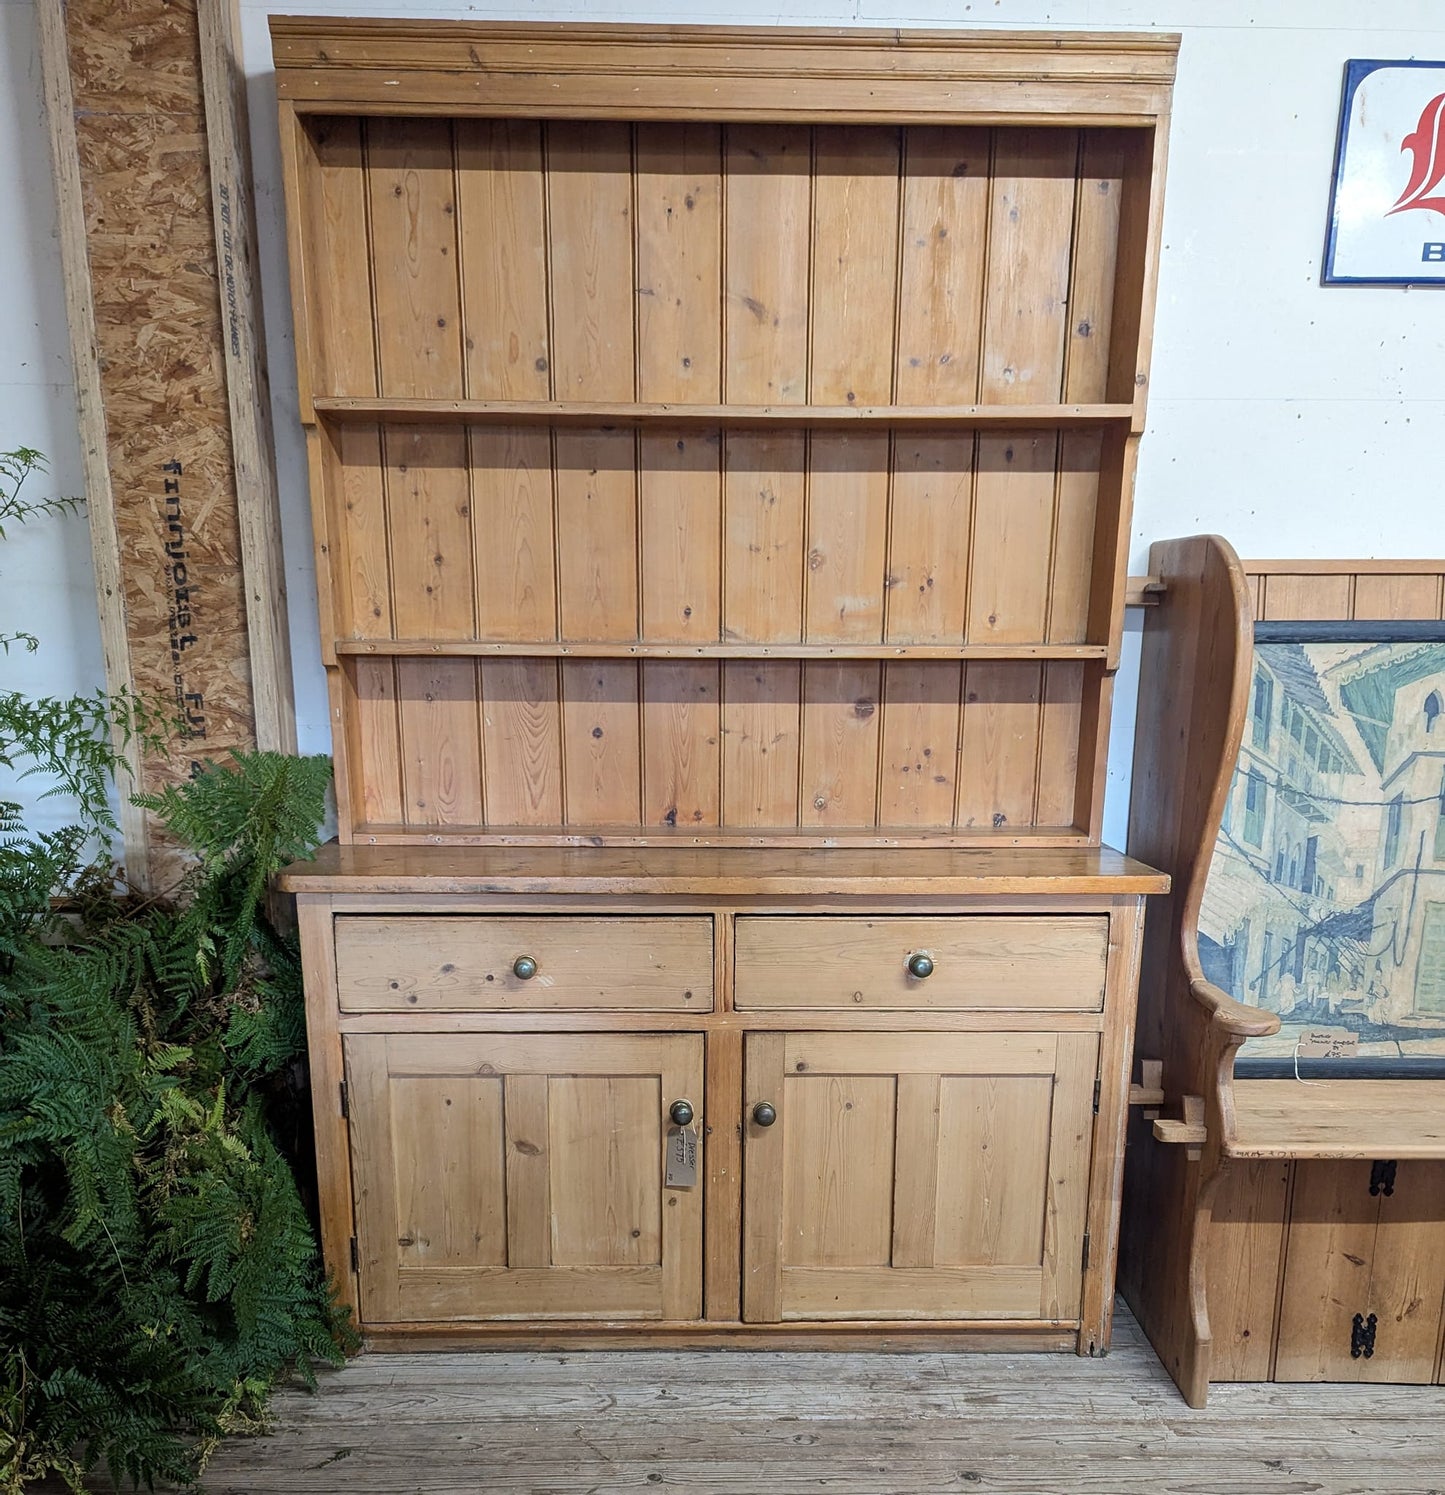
(1328, 1043)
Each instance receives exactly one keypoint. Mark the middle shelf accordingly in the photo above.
(736, 650)
(608, 414)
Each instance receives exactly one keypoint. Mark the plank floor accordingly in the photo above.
(782, 1424)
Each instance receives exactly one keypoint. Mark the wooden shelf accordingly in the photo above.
(1338, 1119)
(718, 871)
(485, 649)
(727, 837)
(738, 417)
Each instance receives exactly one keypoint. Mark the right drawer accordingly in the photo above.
(973, 960)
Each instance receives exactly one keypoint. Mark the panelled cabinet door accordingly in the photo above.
(1364, 1272)
(521, 1176)
(916, 1175)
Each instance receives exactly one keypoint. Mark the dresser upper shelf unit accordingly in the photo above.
(717, 435)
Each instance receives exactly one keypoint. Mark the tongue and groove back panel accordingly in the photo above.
(721, 480)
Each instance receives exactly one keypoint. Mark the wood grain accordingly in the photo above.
(941, 272)
(412, 204)
(597, 534)
(428, 502)
(854, 264)
(515, 542)
(840, 744)
(678, 182)
(590, 256)
(601, 743)
(501, 229)
(847, 538)
(440, 741)
(761, 736)
(768, 231)
(763, 540)
(521, 741)
(920, 741)
(679, 504)
(930, 523)
(681, 735)
(1030, 231)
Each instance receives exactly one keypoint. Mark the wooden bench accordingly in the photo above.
(1214, 1229)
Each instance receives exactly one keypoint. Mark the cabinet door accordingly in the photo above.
(520, 1176)
(917, 1175)
(1365, 1240)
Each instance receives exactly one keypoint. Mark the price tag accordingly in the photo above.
(681, 1157)
(1328, 1043)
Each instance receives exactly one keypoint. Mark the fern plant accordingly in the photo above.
(159, 1274)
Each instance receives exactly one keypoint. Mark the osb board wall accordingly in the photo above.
(140, 130)
(1306, 591)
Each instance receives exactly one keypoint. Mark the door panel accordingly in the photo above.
(607, 1190)
(454, 1208)
(991, 1211)
(520, 1176)
(1349, 1252)
(838, 1173)
(917, 1176)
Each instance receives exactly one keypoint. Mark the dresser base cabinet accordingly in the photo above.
(555, 1120)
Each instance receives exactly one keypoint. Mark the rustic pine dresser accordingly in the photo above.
(722, 446)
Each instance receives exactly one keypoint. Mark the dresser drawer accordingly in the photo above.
(479, 963)
(979, 960)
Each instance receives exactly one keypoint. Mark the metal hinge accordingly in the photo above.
(1086, 1250)
(1382, 1177)
(1098, 1085)
(345, 1102)
(1362, 1337)
(355, 1256)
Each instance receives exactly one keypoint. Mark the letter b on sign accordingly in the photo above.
(1432, 253)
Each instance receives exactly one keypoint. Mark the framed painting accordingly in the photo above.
(1387, 201)
(1325, 900)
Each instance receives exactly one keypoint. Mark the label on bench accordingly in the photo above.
(1327, 1043)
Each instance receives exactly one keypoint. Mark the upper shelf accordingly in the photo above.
(626, 649)
(738, 417)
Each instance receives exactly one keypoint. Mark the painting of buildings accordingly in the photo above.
(1326, 896)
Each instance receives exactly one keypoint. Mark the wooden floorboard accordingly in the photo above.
(708, 1423)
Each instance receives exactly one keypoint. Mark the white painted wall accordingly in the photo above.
(1295, 419)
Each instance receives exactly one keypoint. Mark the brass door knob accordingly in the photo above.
(681, 1112)
(765, 1113)
(920, 965)
(524, 968)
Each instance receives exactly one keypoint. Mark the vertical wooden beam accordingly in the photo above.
(148, 139)
(258, 509)
(89, 407)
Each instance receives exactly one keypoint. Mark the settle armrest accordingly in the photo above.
(1234, 1018)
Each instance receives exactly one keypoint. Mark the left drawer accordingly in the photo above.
(501, 963)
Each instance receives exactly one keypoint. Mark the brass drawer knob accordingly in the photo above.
(765, 1113)
(920, 965)
(524, 968)
(681, 1112)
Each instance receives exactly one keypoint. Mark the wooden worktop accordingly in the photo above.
(724, 871)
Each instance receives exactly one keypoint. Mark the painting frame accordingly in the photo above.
(1318, 755)
(1349, 182)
